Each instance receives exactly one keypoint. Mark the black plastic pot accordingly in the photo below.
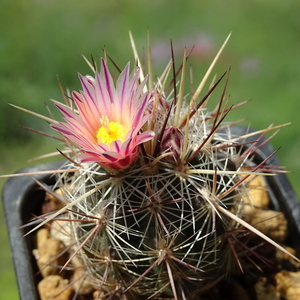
(282, 196)
(22, 199)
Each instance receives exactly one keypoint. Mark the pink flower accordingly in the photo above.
(106, 126)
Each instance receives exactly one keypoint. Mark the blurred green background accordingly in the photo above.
(44, 38)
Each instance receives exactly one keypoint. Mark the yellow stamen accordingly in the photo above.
(110, 131)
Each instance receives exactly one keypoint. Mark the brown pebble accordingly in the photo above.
(265, 290)
(288, 284)
(54, 287)
(41, 236)
(257, 195)
(271, 223)
(283, 258)
(49, 256)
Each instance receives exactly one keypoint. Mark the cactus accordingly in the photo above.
(154, 186)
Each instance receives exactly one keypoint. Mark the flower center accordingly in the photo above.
(110, 131)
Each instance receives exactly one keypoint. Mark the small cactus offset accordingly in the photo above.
(155, 186)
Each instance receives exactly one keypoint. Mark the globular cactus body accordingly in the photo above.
(155, 188)
(155, 229)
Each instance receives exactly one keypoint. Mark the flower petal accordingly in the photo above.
(101, 104)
